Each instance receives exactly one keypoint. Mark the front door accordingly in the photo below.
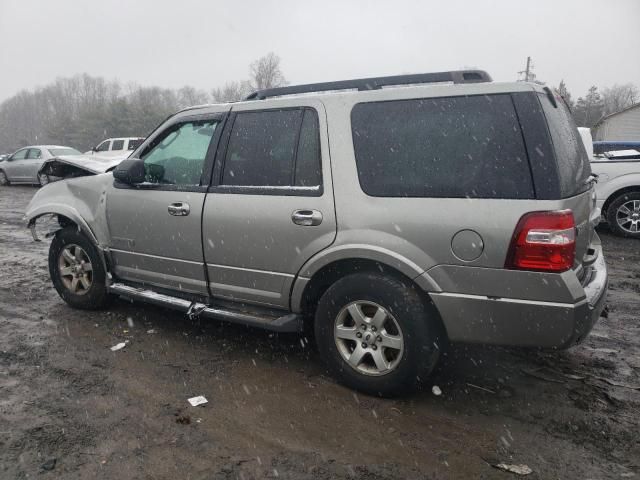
(155, 227)
(15, 167)
(270, 207)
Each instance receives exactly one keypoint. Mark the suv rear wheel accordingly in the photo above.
(623, 215)
(77, 270)
(377, 334)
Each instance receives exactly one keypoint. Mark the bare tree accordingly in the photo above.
(189, 96)
(619, 97)
(265, 73)
(231, 92)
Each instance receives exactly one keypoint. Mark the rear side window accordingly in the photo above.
(133, 144)
(118, 145)
(277, 148)
(573, 163)
(441, 147)
(34, 154)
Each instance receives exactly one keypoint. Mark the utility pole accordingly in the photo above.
(528, 72)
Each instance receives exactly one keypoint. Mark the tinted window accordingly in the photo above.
(573, 163)
(103, 147)
(441, 147)
(178, 156)
(34, 154)
(261, 148)
(133, 144)
(118, 145)
(308, 173)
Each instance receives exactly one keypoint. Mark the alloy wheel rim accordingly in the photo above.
(3, 178)
(628, 216)
(368, 338)
(75, 269)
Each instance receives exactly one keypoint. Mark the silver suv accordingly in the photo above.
(390, 214)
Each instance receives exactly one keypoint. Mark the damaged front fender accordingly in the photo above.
(81, 201)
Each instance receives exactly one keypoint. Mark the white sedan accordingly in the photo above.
(24, 165)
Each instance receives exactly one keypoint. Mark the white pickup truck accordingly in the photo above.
(116, 147)
(618, 187)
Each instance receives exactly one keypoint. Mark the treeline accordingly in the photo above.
(590, 108)
(82, 110)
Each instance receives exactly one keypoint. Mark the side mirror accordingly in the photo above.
(130, 171)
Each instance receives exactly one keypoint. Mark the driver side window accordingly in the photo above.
(178, 156)
(104, 146)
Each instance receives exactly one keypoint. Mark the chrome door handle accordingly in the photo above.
(307, 218)
(179, 209)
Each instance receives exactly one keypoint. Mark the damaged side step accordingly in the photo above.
(291, 322)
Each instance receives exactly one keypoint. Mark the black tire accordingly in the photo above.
(420, 327)
(96, 296)
(612, 214)
(4, 180)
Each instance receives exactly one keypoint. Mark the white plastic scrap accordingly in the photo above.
(517, 469)
(436, 390)
(199, 400)
(119, 346)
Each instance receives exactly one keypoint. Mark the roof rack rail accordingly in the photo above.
(375, 83)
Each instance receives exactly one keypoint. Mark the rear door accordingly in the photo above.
(32, 164)
(271, 206)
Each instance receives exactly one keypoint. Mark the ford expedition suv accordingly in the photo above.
(389, 214)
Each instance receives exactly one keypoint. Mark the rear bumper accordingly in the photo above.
(530, 323)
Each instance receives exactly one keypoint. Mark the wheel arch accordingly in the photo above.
(317, 277)
(616, 194)
(66, 217)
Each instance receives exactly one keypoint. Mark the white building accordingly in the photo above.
(622, 125)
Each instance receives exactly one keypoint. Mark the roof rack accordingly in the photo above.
(375, 83)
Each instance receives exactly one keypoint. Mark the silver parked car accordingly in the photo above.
(391, 220)
(24, 165)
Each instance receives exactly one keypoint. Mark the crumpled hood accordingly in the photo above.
(92, 164)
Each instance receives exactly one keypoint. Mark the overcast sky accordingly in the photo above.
(206, 43)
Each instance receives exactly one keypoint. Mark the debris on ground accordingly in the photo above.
(517, 469)
(183, 419)
(119, 346)
(49, 464)
(480, 388)
(436, 390)
(199, 400)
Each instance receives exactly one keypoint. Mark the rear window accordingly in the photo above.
(133, 144)
(573, 163)
(63, 151)
(441, 147)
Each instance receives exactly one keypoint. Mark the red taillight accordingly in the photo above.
(543, 241)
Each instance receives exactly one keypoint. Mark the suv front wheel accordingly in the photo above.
(77, 271)
(377, 334)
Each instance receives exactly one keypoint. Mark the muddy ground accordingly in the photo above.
(72, 408)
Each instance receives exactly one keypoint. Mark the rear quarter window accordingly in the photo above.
(571, 156)
(441, 147)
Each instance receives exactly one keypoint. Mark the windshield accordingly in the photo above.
(56, 152)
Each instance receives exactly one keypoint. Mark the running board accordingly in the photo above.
(287, 323)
